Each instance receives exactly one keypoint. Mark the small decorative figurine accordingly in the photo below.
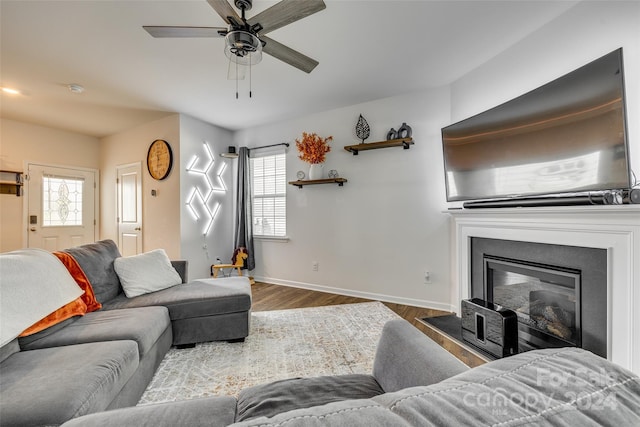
(404, 131)
(362, 129)
(391, 134)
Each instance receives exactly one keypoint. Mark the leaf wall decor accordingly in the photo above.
(362, 129)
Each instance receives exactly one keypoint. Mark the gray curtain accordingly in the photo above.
(244, 216)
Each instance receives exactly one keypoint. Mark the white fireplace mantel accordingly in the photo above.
(614, 228)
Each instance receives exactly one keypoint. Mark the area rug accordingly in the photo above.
(331, 340)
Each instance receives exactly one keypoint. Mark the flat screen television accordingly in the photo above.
(566, 137)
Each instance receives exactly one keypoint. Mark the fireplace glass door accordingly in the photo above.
(545, 298)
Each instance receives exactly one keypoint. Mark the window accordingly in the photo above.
(61, 201)
(269, 195)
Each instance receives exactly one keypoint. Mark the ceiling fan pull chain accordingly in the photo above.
(236, 80)
(250, 58)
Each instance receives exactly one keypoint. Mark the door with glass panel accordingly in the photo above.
(61, 206)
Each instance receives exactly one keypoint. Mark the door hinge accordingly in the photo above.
(117, 180)
(95, 222)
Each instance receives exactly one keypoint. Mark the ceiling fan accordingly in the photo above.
(245, 39)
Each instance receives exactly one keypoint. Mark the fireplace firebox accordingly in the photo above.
(546, 300)
(558, 292)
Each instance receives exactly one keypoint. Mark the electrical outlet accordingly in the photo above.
(314, 265)
(427, 277)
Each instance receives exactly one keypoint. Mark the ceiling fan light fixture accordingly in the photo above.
(243, 48)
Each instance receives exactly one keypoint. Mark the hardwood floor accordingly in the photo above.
(275, 297)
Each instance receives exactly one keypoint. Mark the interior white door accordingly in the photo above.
(61, 206)
(129, 200)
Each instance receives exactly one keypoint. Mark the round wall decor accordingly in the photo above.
(159, 159)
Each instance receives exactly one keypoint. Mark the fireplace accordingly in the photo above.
(614, 230)
(546, 300)
(558, 292)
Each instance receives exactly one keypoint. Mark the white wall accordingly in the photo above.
(585, 32)
(160, 214)
(21, 142)
(216, 189)
(375, 236)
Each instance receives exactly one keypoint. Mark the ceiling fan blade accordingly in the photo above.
(288, 55)
(163, 31)
(284, 13)
(224, 9)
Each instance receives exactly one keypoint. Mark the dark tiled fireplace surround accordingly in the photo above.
(572, 279)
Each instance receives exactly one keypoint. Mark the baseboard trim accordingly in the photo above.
(351, 293)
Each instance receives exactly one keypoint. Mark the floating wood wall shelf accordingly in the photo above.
(11, 182)
(302, 183)
(400, 142)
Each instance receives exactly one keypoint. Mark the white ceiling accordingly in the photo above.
(367, 49)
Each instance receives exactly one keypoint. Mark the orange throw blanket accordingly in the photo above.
(78, 275)
(83, 304)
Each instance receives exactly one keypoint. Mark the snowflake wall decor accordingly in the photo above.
(200, 200)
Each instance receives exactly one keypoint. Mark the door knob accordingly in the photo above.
(32, 229)
(137, 229)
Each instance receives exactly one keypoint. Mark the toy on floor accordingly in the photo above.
(239, 255)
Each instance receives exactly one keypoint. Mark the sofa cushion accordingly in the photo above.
(280, 396)
(25, 339)
(405, 357)
(556, 387)
(96, 260)
(198, 298)
(143, 325)
(53, 385)
(8, 349)
(346, 413)
(89, 297)
(216, 411)
(145, 273)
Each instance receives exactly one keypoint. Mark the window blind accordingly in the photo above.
(269, 197)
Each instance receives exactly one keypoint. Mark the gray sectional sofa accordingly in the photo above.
(417, 383)
(91, 371)
(106, 358)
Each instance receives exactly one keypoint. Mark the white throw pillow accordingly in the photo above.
(148, 272)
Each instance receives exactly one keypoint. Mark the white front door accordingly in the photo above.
(129, 199)
(61, 206)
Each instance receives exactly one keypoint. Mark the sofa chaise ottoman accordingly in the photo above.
(200, 310)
